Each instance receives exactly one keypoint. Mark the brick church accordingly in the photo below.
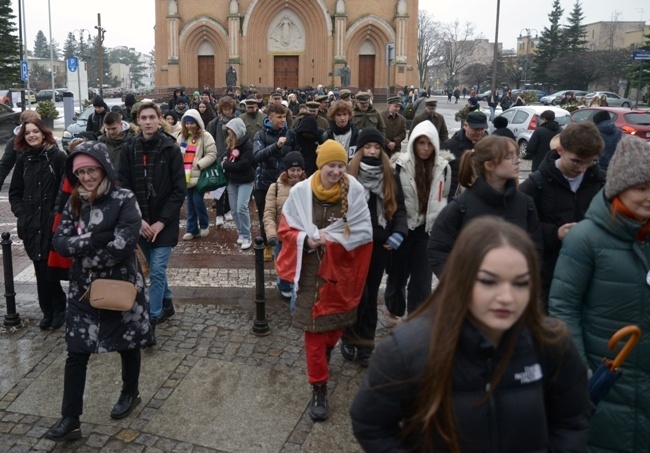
(292, 43)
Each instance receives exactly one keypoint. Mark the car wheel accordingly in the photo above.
(553, 102)
(523, 148)
(625, 104)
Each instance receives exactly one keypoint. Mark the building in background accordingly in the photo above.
(610, 35)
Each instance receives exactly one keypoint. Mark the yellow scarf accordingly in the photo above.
(326, 195)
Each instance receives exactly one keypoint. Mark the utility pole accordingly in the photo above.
(100, 49)
(496, 50)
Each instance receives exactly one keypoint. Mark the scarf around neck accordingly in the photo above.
(331, 195)
(371, 177)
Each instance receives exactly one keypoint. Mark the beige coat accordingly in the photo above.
(206, 149)
(275, 197)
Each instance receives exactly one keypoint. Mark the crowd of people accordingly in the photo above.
(476, 364)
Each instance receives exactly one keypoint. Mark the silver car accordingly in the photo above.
(523, 121)
(555, 98)
(613, 99)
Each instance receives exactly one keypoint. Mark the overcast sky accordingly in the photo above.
(130, 22)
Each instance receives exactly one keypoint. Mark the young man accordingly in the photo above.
(270, 146)
(563, 186)
(151, 166)
(539, 143)
(96, 119)
(395, 125)
(116, 133)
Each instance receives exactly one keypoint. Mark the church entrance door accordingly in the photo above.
(206, 72)
(285, 73)
(366, 72)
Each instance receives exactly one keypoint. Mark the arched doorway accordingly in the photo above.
(367, 54)
(206, 65)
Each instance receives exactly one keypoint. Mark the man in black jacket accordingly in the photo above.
(539, 143)
(151, 166)
(96, 119)
(562, 188)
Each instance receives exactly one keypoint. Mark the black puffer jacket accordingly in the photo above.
(268, 156)
(540, 142)
(34, 187)
(557, 204)
(480, 200)
(169, 185)
(541, 403)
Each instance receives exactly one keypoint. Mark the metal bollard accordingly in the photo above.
(261, 324)
(11, 318)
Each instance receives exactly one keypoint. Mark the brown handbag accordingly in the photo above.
(118, 295)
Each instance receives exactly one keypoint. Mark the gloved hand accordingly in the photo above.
(100, 240)
(272, 242)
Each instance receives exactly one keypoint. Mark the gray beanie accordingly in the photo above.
(629, 166)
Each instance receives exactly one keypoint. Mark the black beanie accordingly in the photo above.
(129, 99)
(99, 102)
(368, 135)
(294, 159)
(600, 116)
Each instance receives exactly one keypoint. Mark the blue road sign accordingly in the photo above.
(73, 63)
(24, 70)
(641, 55)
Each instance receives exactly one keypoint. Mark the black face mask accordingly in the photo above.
(371, 161)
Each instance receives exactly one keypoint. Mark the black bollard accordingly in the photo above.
(261, 324)
(11, 318)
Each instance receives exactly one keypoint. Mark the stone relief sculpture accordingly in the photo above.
(286, 33)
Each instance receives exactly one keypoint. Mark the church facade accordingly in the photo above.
(285, 43)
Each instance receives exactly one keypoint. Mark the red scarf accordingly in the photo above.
(619, 208)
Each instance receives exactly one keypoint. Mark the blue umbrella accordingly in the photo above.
(609, 371)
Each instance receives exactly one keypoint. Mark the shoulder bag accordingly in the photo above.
(107, 294)
(212, 178)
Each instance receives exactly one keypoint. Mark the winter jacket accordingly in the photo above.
(239, 162)
(217, 128)
(395, 130)
(437, 120)
(600, 285)
(308, 138)
(268, 156)
(275, 198)
(206, 149)
(540, 404)
(9, 157)
(611, 135)
(114, 145)
(479, 200)
(32, 194)
(440, 184)
(168, 189)
(350, 146)
(88, 329)
(557, 204)
(254, 123)
(368, 118)
(457, 145)
(398, 224)
(96, 120)
(540, 142)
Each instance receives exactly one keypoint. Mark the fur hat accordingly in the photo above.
(368, 135)
(330, 151)
(629, 166)
(294, 159)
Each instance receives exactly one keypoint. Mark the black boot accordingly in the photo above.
(348, 351)
(152, 340)
(46, 322)
(125, 405)
(68, 428)
(168, 308)
(58, 319)
(364, 355)
(318, 409)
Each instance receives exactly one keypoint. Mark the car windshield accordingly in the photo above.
(638, 118)
(563, 120)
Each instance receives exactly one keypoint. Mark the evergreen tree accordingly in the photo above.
(551, 45)
(56, 50)
(70, 46)
(41, 49)
(9, 50)
(91, 57)
(574, 33)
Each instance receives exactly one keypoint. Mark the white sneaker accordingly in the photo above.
(188, 236)
(228, 216)
(246, 244)
(240, 240)
(204, 232)
(219, 222)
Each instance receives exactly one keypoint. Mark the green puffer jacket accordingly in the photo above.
(599, 286)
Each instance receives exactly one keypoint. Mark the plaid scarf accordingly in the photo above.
(146, 153)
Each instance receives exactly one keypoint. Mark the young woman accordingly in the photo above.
(490, 175)
(34, 187)
(602, 283)
(371, 166)
(174, 124)
(478, 368)
(99, 229)
(425, 177)
(342, 129)
(206, 111)
(199, 152)
(326, 236)
(238, 167)
(294, 172)
(217, 127)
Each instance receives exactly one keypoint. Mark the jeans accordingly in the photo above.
(157, 258)
(74, 379)
(239, 196)
(196, 205)
(282, 285)
(492, 111)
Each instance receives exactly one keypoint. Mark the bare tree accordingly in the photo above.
(612, 29)
(476, 74)
(426, 44)
(455, 46)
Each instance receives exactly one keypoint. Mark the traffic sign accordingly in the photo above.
(641, 55)
(73, 63)
(24, 70)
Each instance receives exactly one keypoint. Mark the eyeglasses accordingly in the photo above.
(514, 158)
(90, 172)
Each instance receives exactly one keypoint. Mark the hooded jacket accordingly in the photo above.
(114, 145)
(611, 136)
(308, 137)
(88, 329)
(440, 184)
(540, 142)
(206, 149)
(96, 120)
(268, 156)
(238, 164)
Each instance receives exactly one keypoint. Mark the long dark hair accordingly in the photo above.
(390, 186)
(20, 143)
(449, 305)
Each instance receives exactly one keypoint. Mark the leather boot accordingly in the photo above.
(58, 319)
(318, 409)
(125, 405)
(348, 351)
(152, 340)
(168, 308)
(68, 428)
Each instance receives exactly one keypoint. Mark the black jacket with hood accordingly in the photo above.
(96, 120)
(540, 142)
(268, 156)
(308, 137)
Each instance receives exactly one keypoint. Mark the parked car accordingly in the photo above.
(539, 93)
(32, 98)
(79, 125)
(555, 98)
(8, 122)
(46, 95)
(486, 94)
(613, 99)
(633, 122)
(523, 121)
